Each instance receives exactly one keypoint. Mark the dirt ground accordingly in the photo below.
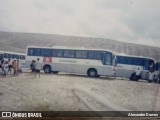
(67, 92)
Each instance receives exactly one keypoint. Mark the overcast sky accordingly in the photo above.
(135, 21)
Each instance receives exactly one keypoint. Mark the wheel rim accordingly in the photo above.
(92, 73)
(47, 69)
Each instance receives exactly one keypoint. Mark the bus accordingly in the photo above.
(6, 55)
(128, 64)
(92, 62)
(157, 66)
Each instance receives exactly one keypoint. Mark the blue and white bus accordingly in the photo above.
(93, 62)
(127, 64)
(6, 55)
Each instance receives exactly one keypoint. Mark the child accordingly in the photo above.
(5, 69)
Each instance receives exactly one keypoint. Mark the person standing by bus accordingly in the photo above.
(1, 71)
(151, 67)
(138, 74)
(5, 68)
(9, 66)
(32, 66)
(15, 66)
(150, 77)
(38, 67)
(2, 67)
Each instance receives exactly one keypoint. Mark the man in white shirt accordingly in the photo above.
(38, 67)
(150, 78)
(138, 71)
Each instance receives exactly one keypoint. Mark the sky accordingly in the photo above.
(135, 21)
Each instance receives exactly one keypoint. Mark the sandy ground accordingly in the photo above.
(66, 92)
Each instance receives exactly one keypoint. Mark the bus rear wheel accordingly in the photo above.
(47, 69)
(92, 73)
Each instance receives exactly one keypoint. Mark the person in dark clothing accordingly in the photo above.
(9, 66)
(32, 66)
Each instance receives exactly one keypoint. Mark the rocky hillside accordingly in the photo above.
(11, 41)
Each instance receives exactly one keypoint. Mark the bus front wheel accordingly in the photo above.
(47, 69)
(92, 73)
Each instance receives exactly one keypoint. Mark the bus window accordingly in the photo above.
(6, 55)
(140, 62)
(46, 52)
(57, 53)
(31, 51)
(158, 66)
(108, 59)
(22, 57)
(129, 60)
(121, 60)
(146, 64)
(14, 56)
(37, 52)
(98, 55)
(1, 56)
(69, 53)
(81, 54)
(94, 55)
(34, 51)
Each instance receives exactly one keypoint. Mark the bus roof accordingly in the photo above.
(125, 55)
(11, 52)
(70, 48)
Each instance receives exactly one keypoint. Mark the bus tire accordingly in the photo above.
(98, 76)
(92, 72)
(47, 69)
(55, 72)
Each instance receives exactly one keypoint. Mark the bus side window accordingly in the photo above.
(57, 53)
(69, 53)
(46, 52)
(95, 55)
(130, 60)
(123, 60)
(156, 66)
(14, 56)
(37, 51)
(1, 56)
(98, 55)
(81, 54)
(6, 55)
(30, 51)
(34, 51)
(22, 57)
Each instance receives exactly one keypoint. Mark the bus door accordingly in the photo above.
(106, 58)
(107, 62)
(148, 66)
